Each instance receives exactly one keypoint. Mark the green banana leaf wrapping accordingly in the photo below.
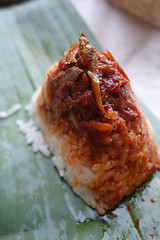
(35, 203)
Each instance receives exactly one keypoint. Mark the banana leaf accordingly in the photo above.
(35, 203)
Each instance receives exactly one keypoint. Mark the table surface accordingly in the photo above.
(134, 44)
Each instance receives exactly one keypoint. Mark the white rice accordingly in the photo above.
(11, 111)
(33, 136)
(52, 146)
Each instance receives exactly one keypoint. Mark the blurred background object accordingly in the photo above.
(148, 10)
(10, 2)
(134, 43)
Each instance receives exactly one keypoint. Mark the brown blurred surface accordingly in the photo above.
(148, 10)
